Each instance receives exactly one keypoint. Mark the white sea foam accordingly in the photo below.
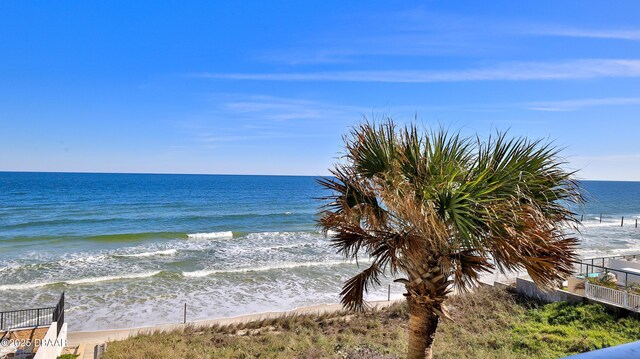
(286, 236)
(595, 224)
(75, 261)
(293, 245)
(78, 281)
(115, 277)
(597, 253)
(82, 258)
(207, 272)
(211, 235)
(168, 252)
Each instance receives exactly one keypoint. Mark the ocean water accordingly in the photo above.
(131, 250)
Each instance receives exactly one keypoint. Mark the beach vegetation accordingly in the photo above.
(487, 324)
(604, 281)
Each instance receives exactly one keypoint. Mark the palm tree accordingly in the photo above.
(438, 209)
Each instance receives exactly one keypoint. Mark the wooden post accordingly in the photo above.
(389, 293)
(636, 223)
(581, 217)
(600, 217)
(185, 313)
(622, 222)
(98, 350)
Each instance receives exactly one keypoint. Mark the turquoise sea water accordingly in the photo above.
(130, 250)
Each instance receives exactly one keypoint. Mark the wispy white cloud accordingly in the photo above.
(223, 137)
(358, 48)
(522, 71)
(282, 109)
(214, 138)
(245, 118)
(416, 32)
(619, 34)
(316, 55)
(574, 105)
(423, 32)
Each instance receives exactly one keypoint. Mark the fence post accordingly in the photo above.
(389, 293)
(581, 217)
(98, 350)
(622, 222)
(185, 313)
(1, 320)
(636, 223)
(38, 318)
(586, 288)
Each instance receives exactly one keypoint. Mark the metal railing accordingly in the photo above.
(602, 260)
(27, 318)
(587, 267)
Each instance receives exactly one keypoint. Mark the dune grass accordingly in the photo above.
(489, 323)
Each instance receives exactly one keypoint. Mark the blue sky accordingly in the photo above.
(256, 87)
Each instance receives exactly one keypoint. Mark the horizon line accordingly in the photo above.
(232, 174)
(163, 173)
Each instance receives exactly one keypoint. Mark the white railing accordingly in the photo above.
(613, 296)
(634, 302)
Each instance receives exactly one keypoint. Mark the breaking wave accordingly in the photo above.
(211, 235)
(79, 281)
(207, 272)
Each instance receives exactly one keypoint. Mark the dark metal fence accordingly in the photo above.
(27, 318)
(602, 260)
(588, 267)
(58, 314)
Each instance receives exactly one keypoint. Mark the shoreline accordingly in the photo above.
(104, 335)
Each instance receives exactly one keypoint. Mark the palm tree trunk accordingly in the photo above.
(423, 324)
